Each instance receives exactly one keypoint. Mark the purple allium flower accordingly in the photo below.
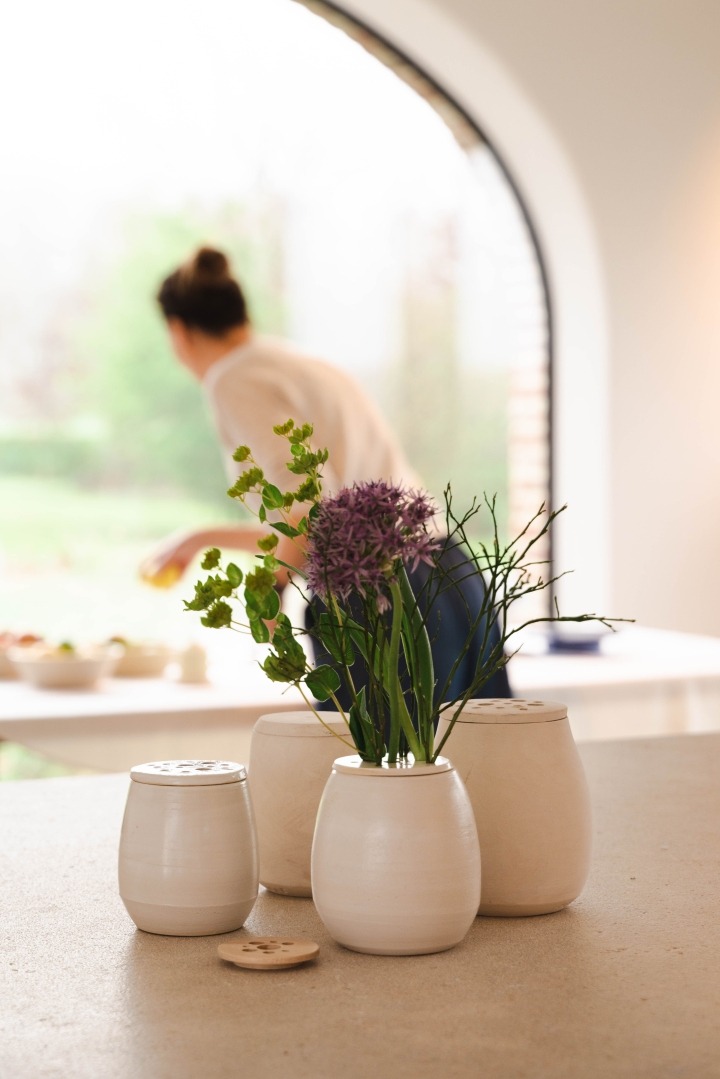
(359, 536)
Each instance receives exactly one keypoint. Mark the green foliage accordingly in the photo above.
(47, 516)
(52, 451)
(287, 662)
(402, 699)
(322, 682)
(211, 559)
(70, 558)
(455, 421)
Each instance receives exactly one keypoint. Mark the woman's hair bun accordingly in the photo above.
(207, 267)
(204, 294)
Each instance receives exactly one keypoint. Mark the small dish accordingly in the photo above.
(13, 640)
(575, 637)
(141, 659)
(47, 667)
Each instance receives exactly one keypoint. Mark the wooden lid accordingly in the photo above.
(268, 953)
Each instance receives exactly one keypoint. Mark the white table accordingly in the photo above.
(124, 721)
(643, 682)
(624, 984)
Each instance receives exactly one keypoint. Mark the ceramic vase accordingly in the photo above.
(395, 857)
(525, 779)
(291, 754)
(188, 861)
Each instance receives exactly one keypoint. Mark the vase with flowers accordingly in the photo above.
(395, 858)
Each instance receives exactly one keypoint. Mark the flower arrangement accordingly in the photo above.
(356, 550)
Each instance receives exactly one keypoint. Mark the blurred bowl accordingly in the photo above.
(577, 636)
(12, 640)
(54, 668)
(6, 668)
(142, 660)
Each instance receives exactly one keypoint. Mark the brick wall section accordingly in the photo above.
(528, 455)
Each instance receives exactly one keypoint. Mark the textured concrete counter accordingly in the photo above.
(626, 982)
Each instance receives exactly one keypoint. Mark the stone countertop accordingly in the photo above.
(624, 983)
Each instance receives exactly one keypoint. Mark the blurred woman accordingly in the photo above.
(253, 382)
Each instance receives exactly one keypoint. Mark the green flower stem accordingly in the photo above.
(399, 716)
(340, 622)
(329, 729)
(418, 654)
(401, 689)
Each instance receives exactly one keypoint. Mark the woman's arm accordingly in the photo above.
(171, 558)
(173, 555)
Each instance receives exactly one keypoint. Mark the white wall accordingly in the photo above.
(608, 114)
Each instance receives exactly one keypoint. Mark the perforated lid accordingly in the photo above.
(511, 710)
(188, 773)
(301, 724)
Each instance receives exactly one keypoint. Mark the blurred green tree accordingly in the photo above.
(158, 432)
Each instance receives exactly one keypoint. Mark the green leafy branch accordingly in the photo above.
(401, 700)
(287, 662)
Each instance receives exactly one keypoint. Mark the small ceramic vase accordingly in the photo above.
(291, 754)
(532, 807)
(188, 862)
(395, 857)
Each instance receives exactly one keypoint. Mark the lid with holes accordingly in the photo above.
(268, 953)
(511, 710)
(301, 724)
(190, 773)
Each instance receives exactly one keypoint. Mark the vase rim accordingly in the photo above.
(354, 765)
(509, 710)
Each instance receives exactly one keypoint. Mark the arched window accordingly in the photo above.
(375, 233)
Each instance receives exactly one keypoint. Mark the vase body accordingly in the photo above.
(395, 858)
(188, 862)
(532, 807)
(291, 754)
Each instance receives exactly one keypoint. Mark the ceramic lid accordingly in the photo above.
(188, 773)
(301, 724)
(511, 710)
(354, 764)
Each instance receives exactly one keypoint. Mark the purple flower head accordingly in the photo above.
(361, 534)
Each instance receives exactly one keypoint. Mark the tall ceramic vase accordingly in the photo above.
(395, 857)
(291, 754)
(527, 786)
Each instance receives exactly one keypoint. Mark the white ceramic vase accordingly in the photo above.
(291, 754)
(395, 857)
(188, 861)
(532, 807)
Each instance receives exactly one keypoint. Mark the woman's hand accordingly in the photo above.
(167, 563)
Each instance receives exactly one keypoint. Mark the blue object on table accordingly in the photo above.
(580, 645)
